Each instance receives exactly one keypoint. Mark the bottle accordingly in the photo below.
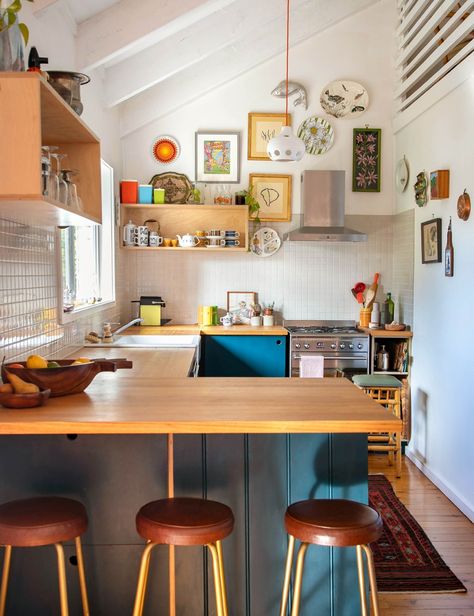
(389, 308)
(382, 359)
(449, 253)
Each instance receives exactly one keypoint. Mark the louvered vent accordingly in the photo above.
(434, 36)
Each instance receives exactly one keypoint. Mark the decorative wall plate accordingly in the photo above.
(464, 206)
(402, 175)
(165, 149)
(317, 134)
(421, 195)
(177, 186)
(343, 98)
(265, 242)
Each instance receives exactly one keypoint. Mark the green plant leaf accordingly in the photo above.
(11, 18)
(15, 6)
(25, 32)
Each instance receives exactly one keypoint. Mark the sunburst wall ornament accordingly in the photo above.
(165, 149)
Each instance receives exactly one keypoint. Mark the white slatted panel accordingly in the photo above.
(434, 37)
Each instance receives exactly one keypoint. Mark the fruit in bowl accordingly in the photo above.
(61, 376)
(18, 394)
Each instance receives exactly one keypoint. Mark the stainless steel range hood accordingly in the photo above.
(322, 198)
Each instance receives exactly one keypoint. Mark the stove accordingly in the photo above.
(344, 348)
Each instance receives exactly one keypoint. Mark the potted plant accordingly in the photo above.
(13, 34)
(252, 203)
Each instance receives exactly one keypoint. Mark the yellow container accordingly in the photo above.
(207, 315)
(364, 317)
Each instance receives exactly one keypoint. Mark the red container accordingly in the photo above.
(129, 191)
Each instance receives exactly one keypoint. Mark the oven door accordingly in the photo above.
(334, 364)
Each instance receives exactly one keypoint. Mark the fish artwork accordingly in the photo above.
(293, 88)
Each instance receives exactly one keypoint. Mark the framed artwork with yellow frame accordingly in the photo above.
(273, 193)
(262, 128)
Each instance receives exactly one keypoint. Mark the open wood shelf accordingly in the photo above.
(33, 114)
(194, 249)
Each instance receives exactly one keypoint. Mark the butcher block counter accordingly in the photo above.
(256, 444)
(210, 330)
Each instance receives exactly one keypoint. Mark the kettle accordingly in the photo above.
(188, 240)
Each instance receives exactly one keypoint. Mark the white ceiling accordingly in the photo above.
(148, 49)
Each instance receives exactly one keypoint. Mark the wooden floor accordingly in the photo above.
(448, 529)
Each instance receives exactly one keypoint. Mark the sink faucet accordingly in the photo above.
(127, 325)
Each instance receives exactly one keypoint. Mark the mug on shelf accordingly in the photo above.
(140, 236)
(227, 320)
(216, 233)
(231, 242)
(215, 241)
(155, 240)
(231, 234)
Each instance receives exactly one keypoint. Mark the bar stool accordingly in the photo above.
(180, 522)
(385, 389)
(44, 521)
(337, 523)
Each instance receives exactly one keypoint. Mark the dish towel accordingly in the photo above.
(312, 367)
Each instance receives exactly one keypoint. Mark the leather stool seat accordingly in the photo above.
(335, 522)
(184, 521)
(41, 521)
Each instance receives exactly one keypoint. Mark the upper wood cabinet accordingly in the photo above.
(32, 114)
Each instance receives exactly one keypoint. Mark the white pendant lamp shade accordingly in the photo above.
(286, 147)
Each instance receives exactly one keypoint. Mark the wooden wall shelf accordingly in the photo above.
(189, 218)
(32, 114)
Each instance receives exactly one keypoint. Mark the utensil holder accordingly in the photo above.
(364, 317)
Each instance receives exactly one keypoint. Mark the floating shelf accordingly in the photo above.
(195, 249)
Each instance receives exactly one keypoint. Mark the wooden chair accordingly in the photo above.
(385, 389)
(331, 522)
(44, 521)
(181, 522)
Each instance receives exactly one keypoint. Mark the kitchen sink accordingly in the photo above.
(150, 341)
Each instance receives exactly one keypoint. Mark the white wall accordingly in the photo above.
(443, 366)
(306, 280)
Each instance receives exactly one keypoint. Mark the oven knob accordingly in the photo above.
(359, 346)
(306, 346)
(320, 344)
(297, 345)
(351, 346)
(333, 346)
(342, 346)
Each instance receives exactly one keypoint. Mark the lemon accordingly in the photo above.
(36, 361)
(83, 360)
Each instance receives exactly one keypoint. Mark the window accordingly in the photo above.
(86, 259)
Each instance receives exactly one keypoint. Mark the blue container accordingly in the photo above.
(145, 193)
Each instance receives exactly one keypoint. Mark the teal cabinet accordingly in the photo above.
(244, 356)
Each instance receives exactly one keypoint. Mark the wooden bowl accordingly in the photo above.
(395, 328)
(66, 379)
(24, 401)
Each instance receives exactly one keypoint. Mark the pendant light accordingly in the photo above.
(286, 147)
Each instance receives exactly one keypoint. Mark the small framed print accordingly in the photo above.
(366, 159)
(273, 193)
(239, 303)
(262, 128)
(431, 241)
(217, 157)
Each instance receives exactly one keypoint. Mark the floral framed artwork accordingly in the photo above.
(263, 127)
(366, 159)
(217, 157)
(431, 241)
(273, 193)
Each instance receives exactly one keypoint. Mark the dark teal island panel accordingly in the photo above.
(244, 356)
(256, 475)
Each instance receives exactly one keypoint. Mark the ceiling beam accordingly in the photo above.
(252, 49)
(189, 47)
(129, 27)
(40, 6)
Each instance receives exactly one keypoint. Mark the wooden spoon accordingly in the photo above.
(372, 292)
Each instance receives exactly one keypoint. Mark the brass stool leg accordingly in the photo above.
(6, 571)
(217, 578)
(142, 579)
(286, 583)
(222, 577)
(360, 571)
(82, 577)
(373, 580)
(62, 579)
(299, 579)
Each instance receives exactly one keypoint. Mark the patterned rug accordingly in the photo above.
(405, 559)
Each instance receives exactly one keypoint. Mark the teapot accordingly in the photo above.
(188, 240)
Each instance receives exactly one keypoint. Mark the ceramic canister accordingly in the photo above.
(129, 191)
(145, 193)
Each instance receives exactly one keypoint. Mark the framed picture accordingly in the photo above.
(273, 193)
(262, 128)
(217, 157)
(431, 241)
(238, 304)
(366, 156)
